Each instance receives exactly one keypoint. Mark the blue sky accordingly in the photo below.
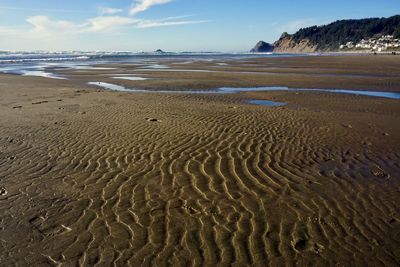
(172, 25)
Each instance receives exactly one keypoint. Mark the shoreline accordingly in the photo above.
(352, 72)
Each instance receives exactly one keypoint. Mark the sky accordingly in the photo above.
(170, 25)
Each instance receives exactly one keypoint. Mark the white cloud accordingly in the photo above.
(110, 10)
(45, 26)
(177, 17)
(41, 32)
(143, 5)
(42, 24)
(106, 23)
(42, 9)
(163, 23)
(44, 31)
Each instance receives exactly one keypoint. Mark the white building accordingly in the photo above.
(385, 42)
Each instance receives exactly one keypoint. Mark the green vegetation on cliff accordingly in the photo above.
(331, 36)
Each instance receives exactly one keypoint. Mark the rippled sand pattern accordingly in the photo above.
(216, 184)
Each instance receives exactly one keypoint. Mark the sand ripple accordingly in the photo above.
(209, 185)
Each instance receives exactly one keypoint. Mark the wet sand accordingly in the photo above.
(99, 178)
(344, 72)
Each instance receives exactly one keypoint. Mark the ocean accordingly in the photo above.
(41, 63)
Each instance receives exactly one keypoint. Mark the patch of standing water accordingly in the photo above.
(110, 86)
(120, 88)
(156, 66)
(175, 70)
(230, 90)
(39, 73)
(45, 69)
(268, 103)
(131, 78)
(227, 90)
(183, 63)
(391, 95)
(77, 67)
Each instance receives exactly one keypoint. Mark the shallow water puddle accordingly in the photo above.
(267, 103)
(230, 90)
(176, 70)
(391, 95)
(156, 66)
(120, 88)
(39, 73)
(227, 90)
(110, 86)
(131, 78)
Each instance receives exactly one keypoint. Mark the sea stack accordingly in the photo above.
(262, 47)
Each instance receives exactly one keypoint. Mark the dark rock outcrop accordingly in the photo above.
(262, 47)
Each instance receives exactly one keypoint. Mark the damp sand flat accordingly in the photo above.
(368, 73)
(136, 179)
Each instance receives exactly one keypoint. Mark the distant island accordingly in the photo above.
(374, 34)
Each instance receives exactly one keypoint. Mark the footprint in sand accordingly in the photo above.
(301, 245)
(40, 102)
(47, 229)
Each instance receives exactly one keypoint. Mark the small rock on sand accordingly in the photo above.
(379, 173)
(153, 120)
(3, 192)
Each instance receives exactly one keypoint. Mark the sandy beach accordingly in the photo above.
(93, 177)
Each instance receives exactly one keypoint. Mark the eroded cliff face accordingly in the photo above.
(286, 44)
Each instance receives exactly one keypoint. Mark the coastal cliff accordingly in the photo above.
(343, 33)
(286, 44)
